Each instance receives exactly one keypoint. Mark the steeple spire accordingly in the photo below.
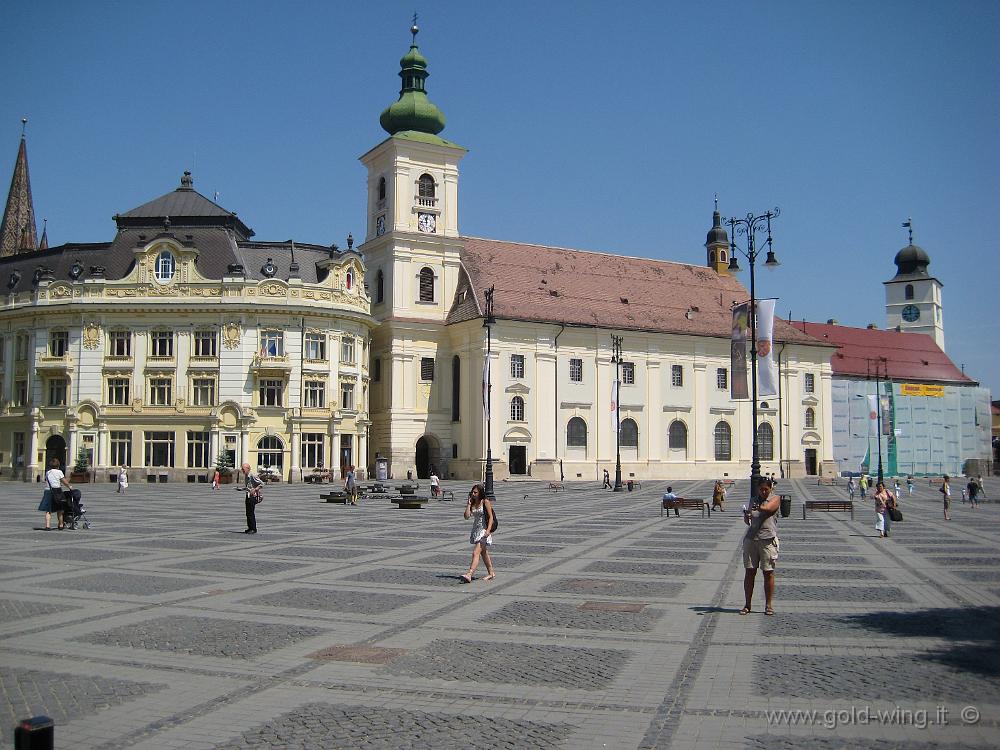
(413, 110)
(717, 243)
(43, 244)
(18, 232)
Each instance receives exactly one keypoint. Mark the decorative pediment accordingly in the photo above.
(673, 407)
(517, 435)
(810, 400)
(811, 437)
(520, 388)
(575, 405)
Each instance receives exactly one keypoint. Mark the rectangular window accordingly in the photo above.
(161, 391)
(722, 379)
(161, 343)
(203, 392)
(377, 370)
(810, 383)
(271, 392)
(206, 344)
(517, 365)
(21, 345)
(57, 392)
(677, 375)
(121, 448)
(58, 343)
(197, 450)
(20, 393)
(272, 344)
(159, 449)
(576, 370)
(347, 350)
(313, 444)
(118, 391)
(120, 344)
(315, 394)
(3, 350)
(18, 454)
(316, 346)
(347, 396)
(628, 373)
(427, 368)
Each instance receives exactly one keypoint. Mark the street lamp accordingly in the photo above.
(616, 357)
(880, 365)
(750, 226)
(488, 322)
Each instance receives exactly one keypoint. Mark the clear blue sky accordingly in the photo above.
(603, 126)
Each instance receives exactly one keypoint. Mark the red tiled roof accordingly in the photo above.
(576, 287)
(909, 356)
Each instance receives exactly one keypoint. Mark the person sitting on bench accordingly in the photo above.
(670, 496)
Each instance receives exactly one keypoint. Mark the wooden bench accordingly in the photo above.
(410, 501)
(335, 497)
(844, 506)
(827, 481)
(685, 502)
(636, 484)
(449, 493)
(556, 486)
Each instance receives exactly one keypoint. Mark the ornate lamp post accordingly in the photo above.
(616, 357)
(750, 226)
(488, 322)
(880, 365)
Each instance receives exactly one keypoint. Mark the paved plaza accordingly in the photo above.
(163, 626)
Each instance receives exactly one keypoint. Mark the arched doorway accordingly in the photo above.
(55, 447)
(427, 456)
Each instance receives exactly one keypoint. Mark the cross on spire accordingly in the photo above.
(908, 224)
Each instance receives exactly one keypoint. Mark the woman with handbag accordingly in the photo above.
(484, 523)
(883, 501)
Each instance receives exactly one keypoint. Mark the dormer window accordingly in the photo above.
(76, 270)
(349, 280)
(163, 270)
(269, 269)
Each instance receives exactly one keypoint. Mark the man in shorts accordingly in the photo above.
(760, 545)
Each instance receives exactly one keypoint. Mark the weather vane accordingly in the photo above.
(908, 224)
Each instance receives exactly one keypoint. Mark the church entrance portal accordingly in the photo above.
(427, 457)
(55, 447)
(517, 459)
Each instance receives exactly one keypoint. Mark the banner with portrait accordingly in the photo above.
(767, 370)
(739, 389)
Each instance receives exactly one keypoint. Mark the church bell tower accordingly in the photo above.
(913, 296)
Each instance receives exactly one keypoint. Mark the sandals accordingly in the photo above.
(466, 578)
(769, 612)
(745, 611)
(490, 577)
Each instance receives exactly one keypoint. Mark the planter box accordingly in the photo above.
(225, 479)
(81, 478)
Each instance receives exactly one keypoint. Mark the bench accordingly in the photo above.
(828, 481)
(410, 501)
(335, 497)
(407, 489)
(844, 506)
(685, 502)
(556, 486)
(632, 484)
(449, 493)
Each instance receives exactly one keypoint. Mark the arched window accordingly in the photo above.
(723, 442)
(678, 438)
(381, 188)
(722, 256)
(349, 280)
(379, 286)
(576, 433)
(456, 388)
(628, 434)
(164, 270)
(908, 291)
(810, 417)
(270, 453)
(426, 285)
(425, 186)
(765, 441)
(517, 409)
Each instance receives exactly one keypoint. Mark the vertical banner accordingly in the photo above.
(486, 388)
(873, 416)
(738, 387)
(614, 408)
(767, 372)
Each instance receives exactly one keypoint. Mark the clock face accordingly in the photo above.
(379, 226)
(911, 313)
(427, 222)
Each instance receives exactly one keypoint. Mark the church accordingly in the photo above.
(185, 338)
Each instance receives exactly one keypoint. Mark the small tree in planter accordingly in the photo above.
(225, 468)
(80, 473)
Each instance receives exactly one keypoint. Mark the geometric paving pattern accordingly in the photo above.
(323, 600)
(559, 615)
(14, 609)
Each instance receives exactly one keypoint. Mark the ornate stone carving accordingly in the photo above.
(273, 289)
(231, 335)
(91, 336)
(60, 291)
(180, 405)
(137, 405)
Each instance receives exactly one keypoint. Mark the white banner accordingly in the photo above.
(767, 371)
(873, 416)
(486, 388)
(614, 408)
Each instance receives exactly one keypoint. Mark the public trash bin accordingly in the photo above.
(36, 733)
(786, 505)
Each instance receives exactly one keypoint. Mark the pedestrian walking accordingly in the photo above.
(479, 509)
(909, 484)
(982, 490)
(863, 486)
(883, 501)
(946, 496)
(607, 481)
(973, 489)
(216, 479)
(760, 546)
(435, 484)
(964, 496)
(253, 487)
(851, 487)
(351, 486)
(55, 480)
(895, 487)
(122, 481)
(718, 495)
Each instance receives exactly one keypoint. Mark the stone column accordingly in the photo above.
(31, 460)
(244, 456)
(103, 446)
(72, 448)
(296, 472)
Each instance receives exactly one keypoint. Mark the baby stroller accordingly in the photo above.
(73, 511)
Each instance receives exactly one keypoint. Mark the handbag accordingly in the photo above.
(895, 514)
(492, 524)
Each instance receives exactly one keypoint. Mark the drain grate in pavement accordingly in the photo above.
(359, 654)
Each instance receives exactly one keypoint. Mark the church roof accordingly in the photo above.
(582, 288)
(908, 356)
(18, 229)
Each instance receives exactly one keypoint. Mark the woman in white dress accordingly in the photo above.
(479, 509)
(122, 481)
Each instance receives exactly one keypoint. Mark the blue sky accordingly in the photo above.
(602, 126)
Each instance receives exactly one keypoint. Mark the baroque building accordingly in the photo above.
(182, 339)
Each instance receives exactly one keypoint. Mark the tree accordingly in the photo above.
(223, 464)
(82, 462)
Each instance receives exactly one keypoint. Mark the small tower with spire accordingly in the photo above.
(717, 244)
(913, 301)
(19, 232)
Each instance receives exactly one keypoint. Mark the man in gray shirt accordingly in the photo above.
(760, 545)
(252, 487)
